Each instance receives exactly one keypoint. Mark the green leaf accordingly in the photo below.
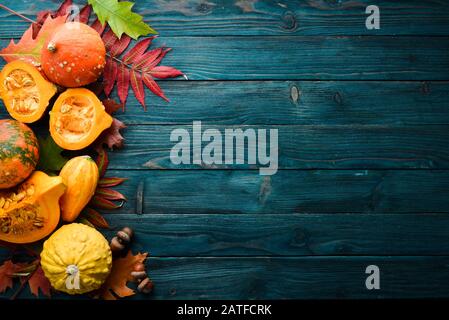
(50, 159)
(120, 18)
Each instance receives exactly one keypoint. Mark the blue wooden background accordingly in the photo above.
(363, 119)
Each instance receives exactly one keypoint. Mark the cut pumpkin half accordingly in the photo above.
(77, 119)
(25, 92)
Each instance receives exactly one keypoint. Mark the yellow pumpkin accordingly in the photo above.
(77, 119)
(76, 259)
(30, 212)
(80, 175)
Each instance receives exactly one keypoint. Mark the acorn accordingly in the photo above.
(116, 245)
(145, 286)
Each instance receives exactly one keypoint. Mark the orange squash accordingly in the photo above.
(31, 211)
(19, 153)
(25, 92)
(77, 119)
(80, 175)
(74, 55)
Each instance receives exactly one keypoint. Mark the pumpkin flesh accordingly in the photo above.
(31, 211)
(25, 91)
(77, 119)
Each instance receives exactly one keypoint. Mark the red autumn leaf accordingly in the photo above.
(102, 162)
(109, 76)
(109, 39)
(163, 72)
(138, 50)
(153, 86)
(119, 46)
(97, 26)
(135, 68)
(112, 136)
(149, 65)
(148, 57)
(95, 218)
(101, 203)
(28, 48)
(84, 14)
(109, 194)
(108, 182)
(123, 83)
(39, 281)
(7, 269)
(110, 106)
(63, 8)
(137, 86)
(116, 283)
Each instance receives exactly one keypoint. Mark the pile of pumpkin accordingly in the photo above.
(76, 258)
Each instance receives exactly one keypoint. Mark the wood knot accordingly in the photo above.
(290, 22)
(139, 197)
(338, 98)
(425, 88)
(204, 7)
(295, 93)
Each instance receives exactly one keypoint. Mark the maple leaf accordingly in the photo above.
(111, 136)
(39, 281)
(7, 270)
(116, 283)
(120, 18)
(29, 48)
(136, 68)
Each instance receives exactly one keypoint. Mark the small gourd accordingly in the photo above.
(24, 91)
(76, 259)
(77, 119)
(80, 175)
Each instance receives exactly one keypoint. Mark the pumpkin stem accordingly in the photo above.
(51, 47)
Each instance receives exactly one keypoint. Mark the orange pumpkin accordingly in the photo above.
(74, 55)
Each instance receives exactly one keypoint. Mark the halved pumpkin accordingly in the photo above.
(25, 92)
(31, 211)
(77, 119)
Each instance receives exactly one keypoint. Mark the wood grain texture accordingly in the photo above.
(286, 235)
(308, 58)
(292, 277)
(301, 147)
(289, 191)
(257, 17)
(274, 102)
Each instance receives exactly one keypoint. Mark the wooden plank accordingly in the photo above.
(300, 147)
(286, 17)
(289, 191)
(298, 277)
(275, 102)
(286, 235)
(308, 58)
